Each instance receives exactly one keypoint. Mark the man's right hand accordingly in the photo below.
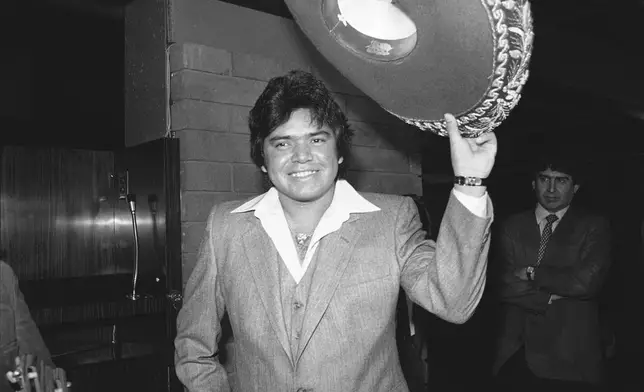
(471, 157)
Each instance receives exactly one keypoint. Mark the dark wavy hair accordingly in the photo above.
(285, 94)
(558, 162)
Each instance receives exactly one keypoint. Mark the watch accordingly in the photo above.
(470, 181)
(529, 271)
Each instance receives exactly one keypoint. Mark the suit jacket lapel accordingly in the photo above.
(333, 256)
(263, 259)
(563, 230)
(530, 238)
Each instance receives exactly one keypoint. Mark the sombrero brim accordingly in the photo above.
(470, 59)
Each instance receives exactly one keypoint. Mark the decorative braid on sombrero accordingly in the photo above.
(513, 37)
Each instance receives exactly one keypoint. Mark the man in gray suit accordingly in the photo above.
(309, 272)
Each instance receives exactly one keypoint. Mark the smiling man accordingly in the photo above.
(555, 258)
(309, 272)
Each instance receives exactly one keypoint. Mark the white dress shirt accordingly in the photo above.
(541, 214)
(346, 201)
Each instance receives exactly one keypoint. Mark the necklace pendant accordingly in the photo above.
(301, 238)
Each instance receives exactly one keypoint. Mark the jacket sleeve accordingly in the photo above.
(584, 278)
(199, 323)
(27, 333)
(513, 290)
(446, 277)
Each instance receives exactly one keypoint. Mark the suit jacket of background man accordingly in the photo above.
(18, 332)
(562, 340)
(347, 340)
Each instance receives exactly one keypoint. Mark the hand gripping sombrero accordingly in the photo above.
(419, 59)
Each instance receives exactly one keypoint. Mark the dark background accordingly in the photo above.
(585, 87)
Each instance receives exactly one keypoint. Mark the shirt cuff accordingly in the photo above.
(476, 205)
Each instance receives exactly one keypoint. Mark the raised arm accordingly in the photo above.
(199, 324)
(446, 277)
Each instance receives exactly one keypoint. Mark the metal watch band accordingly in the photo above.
(470, 181)
(530, 272)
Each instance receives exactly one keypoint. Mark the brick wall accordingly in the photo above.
(212, 89)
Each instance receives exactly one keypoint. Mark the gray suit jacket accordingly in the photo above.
(348, 336)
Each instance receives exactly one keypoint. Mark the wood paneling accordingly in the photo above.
(69, 237)
(56, 214)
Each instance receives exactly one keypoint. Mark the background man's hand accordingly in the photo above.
(521, 273)
(471, 157)
(554, 297)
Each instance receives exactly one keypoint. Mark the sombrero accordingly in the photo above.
(419, 59)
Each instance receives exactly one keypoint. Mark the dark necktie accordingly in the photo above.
(545, 236)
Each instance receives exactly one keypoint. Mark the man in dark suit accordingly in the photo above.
(554, 259)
